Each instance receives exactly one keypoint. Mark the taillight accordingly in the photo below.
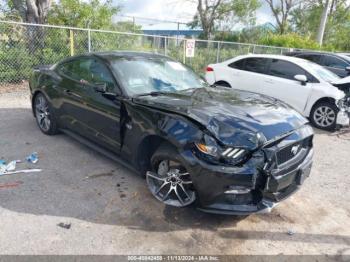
(209, 69)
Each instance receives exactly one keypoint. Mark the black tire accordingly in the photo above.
(223, 83)
(324, 116)
(44, 115)
(170, 183)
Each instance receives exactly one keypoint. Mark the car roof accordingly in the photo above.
(310, 52)
(281, 57)
(342, 55)
(109, 55)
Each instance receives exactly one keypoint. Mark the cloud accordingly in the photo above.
(160, 9)
(172, 10)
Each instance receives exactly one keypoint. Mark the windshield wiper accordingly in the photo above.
(154, 93)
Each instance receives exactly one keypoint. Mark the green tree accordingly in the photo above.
(281, 10)
(305, 20)
(78, 13)
(213, 13)
(246, 35)
(29, 11)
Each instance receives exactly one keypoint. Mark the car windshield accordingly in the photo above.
(321, 72)
(149, 75)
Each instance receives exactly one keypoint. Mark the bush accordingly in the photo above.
(16, 64)
(292, 40)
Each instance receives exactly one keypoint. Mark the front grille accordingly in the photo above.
(290, 151)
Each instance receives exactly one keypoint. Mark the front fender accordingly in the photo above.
(146, 122)
(323, 93)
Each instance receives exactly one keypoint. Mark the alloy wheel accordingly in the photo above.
(42, 113)
(324, 116)
(171, 184)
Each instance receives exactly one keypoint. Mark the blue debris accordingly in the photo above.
(33, 158)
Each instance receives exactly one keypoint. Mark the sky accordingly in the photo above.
(171, 10)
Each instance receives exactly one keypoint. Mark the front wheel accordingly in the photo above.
(169, 180)
(324, 116)
(44, 115)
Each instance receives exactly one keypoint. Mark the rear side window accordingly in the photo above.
(256, 65)
(253, 64)
(334, 62)
(284, 69)
(238, 64)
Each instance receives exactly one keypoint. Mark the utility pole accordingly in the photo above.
(323, 23)
(177, 34)
(89, 36)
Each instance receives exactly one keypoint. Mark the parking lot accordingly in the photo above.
(111, 211)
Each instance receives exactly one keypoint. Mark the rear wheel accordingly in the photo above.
(44, 116)
(324, 116)
(169, 180)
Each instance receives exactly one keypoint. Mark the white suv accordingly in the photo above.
(304, 85)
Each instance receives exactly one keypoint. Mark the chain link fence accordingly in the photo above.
(24, 46)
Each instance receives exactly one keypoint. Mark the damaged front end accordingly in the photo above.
(344, 103)
(273, 172)
(343, 117)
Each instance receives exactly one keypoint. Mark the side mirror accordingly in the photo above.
(301, 78)
(100, 87)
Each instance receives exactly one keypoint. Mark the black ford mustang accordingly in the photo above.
(224, 150)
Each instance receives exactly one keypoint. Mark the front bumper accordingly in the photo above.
(266, 188)
(343, 118)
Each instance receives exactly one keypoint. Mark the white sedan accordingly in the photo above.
(304, 85)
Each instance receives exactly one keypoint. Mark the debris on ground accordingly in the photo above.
(10, 185)
(98, 175)
(20, 171)
(10, 168)
(33, 158)
(5, 168)
(343, 133)
(122, 195)
(65, 226)
(290, 232)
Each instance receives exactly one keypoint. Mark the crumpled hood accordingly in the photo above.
(345, 80)
(235, 118)
(343, 84)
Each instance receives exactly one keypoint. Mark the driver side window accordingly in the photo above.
(77, 69)
(99, 73)
(89, 71)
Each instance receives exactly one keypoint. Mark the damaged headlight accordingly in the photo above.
(209, 146)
